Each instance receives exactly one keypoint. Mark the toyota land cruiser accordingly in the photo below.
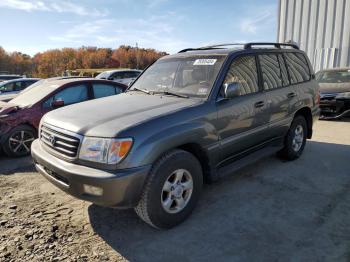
(189, 118)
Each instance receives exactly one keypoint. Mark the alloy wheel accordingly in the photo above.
(177, 191)
(298, 138)
(20, 142)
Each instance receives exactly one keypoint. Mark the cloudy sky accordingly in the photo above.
(32, 26)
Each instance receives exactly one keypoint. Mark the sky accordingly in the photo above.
(31, 26)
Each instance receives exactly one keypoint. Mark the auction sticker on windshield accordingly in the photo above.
(204, 62)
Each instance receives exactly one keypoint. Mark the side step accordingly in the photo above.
(229, 169)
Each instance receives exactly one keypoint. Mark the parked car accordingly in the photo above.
(123, 76)
(19, 118)
(9, 89)
(335, 92)
(191, 118)
(9, 77)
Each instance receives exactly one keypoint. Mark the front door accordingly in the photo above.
(242, 120)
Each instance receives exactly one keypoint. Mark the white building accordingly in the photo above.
(320, 27)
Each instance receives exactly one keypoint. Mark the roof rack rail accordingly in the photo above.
(245, 46)
(277, 45)
(220, 45)
(208, 47)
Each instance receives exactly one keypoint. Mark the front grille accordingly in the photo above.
(59, 141)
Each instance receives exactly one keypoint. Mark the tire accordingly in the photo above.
(154, 207)
(18, 141)
(294, 144)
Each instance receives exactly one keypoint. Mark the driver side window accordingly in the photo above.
(244, 72)
(118, 75)
(70, 95)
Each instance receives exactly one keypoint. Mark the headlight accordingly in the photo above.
(343, 95)
(105, 150)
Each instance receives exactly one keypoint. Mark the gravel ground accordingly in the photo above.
(270, 211)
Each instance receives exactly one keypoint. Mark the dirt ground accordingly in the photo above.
(269, 211)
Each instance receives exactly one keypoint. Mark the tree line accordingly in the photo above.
(56, 61)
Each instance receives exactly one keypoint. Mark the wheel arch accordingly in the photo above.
(306, 113)
(198, 152)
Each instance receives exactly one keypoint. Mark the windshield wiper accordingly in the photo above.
(142, 90)
(170, 94)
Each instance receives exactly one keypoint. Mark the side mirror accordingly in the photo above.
(231, 90)
(110, 78)
(57, 103)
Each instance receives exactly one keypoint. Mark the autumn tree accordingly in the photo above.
(56, 61)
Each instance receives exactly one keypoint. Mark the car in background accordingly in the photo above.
(20, 118)
(123, 76)
(334, 92)
(9, 77)
(10, 88)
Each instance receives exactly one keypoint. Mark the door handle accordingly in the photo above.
(259, 104)
(291, 95)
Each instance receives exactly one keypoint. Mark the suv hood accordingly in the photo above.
(106, 117)
(334, 87)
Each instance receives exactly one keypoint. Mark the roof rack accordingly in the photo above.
(245, 46)
(277, 45)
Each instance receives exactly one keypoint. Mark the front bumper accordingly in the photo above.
(334, 108)
(120, 188)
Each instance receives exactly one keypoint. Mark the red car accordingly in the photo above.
(20, 117)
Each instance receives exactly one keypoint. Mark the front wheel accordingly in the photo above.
(172, 190)
(18, 141)
(295, 140)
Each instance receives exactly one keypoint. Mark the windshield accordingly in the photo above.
(103, 75)
(34, 93)
(333, 76)
(190, 76)
(6, 86)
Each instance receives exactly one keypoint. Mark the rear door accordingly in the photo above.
(282, 97)
(242, 120)
(280, 94)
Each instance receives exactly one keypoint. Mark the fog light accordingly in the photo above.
(93, 190)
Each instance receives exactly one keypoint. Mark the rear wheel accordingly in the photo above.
(172, 190)
(18, 141)
(295, 140)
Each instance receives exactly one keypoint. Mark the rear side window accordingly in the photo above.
(297, 67)
(103, 90)
(271, 71)
(243, 71)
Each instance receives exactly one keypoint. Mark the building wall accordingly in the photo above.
(320, 27)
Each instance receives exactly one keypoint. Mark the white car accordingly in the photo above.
(123, 76)
(11, 88)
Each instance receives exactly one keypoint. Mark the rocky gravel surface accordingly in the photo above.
(40, 223)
